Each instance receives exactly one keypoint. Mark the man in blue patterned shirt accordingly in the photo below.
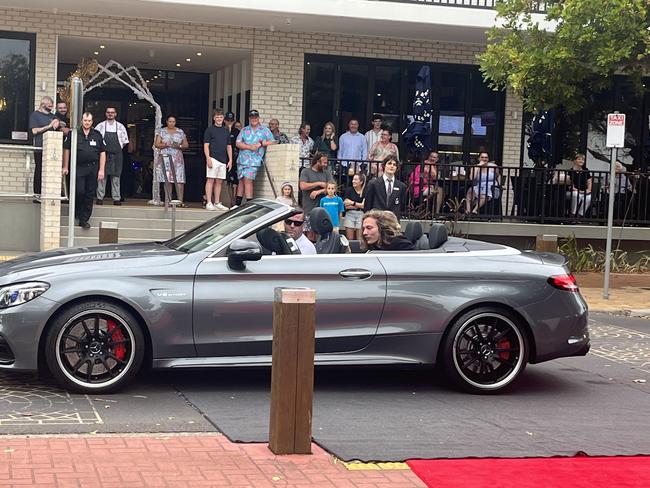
(251, 142)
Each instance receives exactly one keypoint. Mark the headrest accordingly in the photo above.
(272, 240)
(320, 221)
(437, 235)
(413, 231)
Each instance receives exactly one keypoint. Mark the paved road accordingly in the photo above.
(158, 401)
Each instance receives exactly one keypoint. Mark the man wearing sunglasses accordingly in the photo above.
(294, 226)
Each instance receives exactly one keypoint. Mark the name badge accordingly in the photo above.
(93, 143)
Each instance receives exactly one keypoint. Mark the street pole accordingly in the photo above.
(76, 105)
(610, 221)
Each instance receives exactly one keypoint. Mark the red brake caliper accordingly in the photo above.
(504, 344)
(116, 335)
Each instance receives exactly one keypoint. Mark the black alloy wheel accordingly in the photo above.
(94, 347)
(485, 351)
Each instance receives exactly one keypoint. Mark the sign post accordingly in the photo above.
(615, 139)
(76, 110)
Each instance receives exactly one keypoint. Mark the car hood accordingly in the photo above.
(45, 261)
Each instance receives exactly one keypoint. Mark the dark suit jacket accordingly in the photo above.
(376, 197)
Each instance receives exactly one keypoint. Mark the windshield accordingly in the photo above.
(217, 228)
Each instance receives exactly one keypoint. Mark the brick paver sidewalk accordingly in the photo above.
(203, 460)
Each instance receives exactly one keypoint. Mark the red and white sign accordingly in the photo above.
(615, 130)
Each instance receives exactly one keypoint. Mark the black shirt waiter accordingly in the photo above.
(91, 159)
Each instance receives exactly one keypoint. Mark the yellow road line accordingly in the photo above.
(360, 466)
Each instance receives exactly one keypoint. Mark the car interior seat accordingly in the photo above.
(329, 241)
(275, 242)
(413, 233)
(437, 235)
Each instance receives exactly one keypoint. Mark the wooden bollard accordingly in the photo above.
(292, 374)
(108, 232)
(546, 243)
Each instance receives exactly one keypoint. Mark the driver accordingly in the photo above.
(294, 226)
(381, 232)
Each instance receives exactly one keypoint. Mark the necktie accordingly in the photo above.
(389, 187)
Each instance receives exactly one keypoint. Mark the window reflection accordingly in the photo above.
(16, 81)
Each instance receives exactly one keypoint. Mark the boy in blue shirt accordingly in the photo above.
(333, 204)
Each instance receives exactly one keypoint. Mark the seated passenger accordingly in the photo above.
(294, 226)
(381, 232)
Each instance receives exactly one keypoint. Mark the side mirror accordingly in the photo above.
(241, 251)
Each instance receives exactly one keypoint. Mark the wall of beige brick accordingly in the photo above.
(277, 61)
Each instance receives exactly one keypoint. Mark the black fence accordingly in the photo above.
(538, 7)
(510, 194)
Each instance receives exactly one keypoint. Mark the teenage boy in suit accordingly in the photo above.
(386, 192)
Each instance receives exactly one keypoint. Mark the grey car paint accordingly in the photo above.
(371, 308)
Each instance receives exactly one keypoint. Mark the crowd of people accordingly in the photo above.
(235, 155)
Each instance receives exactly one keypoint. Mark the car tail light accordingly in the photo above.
(566, 282)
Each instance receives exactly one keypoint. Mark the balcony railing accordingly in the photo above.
(511, 194)
(538, 7)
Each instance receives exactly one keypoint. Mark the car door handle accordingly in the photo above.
(355, 274)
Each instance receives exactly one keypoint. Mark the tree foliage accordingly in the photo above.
(576, 49)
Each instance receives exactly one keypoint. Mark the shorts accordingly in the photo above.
(249, 172)
(218, 170)
(352, 219)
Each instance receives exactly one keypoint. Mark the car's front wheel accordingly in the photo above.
(485, 350)
(94, 347)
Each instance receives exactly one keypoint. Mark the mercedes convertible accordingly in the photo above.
(94, 316)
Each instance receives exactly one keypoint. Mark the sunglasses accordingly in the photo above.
(294, 223)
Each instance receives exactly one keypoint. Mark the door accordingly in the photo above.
(233, 310)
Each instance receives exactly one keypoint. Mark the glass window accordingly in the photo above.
(386, 99)
(484, 125)
(598, 155)
(16, 86)
(630, 103)
(354, 96)
(451, 124)
(215, 229)
(319, 95)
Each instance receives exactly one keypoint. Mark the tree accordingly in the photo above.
(576, 49)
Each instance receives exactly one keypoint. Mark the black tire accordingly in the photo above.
(485, 351)
(94, 347)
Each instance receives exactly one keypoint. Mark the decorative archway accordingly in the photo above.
(94, 75)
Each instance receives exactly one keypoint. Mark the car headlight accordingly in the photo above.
(12, 295)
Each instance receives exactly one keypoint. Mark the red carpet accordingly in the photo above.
(576, 472)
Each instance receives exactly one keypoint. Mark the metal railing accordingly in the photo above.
(29, 160)
(511, 194)
(538, 7)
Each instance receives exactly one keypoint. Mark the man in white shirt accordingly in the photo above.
(294, 226)
(374, 134)
(115, 138)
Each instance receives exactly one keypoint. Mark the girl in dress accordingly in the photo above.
(287, 196)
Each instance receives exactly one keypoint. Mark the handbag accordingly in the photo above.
(496, 191)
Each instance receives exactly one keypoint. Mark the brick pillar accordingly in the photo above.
(51, 190)
(282, 165)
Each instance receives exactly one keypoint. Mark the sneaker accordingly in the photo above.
(99, 202)
(117, 202)
(210, 206)
(220, 206)
(234, 207)
(84, 225)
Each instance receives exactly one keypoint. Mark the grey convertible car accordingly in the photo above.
(95, 316)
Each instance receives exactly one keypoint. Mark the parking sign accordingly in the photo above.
(615, 130)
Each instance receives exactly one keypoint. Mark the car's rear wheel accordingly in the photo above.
(94, 347)
(485, 350)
